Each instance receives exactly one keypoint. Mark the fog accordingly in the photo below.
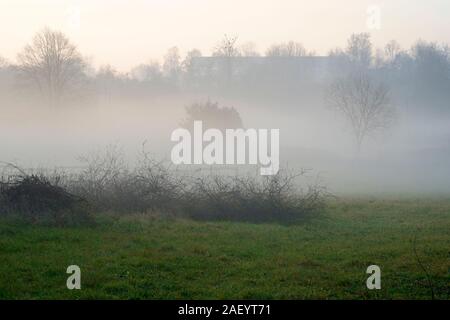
(411, 157)
(398, 144)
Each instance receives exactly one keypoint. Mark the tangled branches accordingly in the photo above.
(37, 199)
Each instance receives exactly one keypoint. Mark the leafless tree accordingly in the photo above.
(52, 64)
(289, 49)
(392, 50)
(3, 62)
(227, 47)
(150, 72)
(106, 76)
(364, 104)
(249, 49)
(172, 64)
(190, 73)
(359, 49)
(187, 64)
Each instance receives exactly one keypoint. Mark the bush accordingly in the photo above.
(212, 116)
(36, 199)
(153, 186)
(253, 199)
(108, 185)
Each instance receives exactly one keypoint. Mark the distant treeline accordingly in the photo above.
(52, 67)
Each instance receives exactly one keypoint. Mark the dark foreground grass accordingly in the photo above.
(142, 257)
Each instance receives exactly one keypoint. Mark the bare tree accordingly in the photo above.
(359, 49)
(289, 49)
(227, 50)
(364, 104)
(106, 77)
(190, 72)
(392, 50)
(432, 63)
(3, 62)
(227, 47)
(52, 64)
(150, 72)
(249, 49)
(172, 64)
(187, 64)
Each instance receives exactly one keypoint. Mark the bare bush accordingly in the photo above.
(155, 186)
(253, 199)
(39, 200)
(103, 179)
(108, 185)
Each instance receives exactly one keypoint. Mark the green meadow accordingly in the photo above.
(139, 256)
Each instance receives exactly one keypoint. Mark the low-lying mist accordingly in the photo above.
(410, 157)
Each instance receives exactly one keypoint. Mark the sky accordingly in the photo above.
(125, 33)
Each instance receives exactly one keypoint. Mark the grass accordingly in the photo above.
(145, 257)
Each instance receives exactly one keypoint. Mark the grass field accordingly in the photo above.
(145, 257)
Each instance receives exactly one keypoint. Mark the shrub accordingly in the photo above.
(212, 116)
(110, 185)
(253, 199)
(107, 184)
(36, 199)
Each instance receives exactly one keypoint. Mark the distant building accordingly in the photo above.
(307, 68)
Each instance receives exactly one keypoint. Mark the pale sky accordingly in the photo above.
(124, 33)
